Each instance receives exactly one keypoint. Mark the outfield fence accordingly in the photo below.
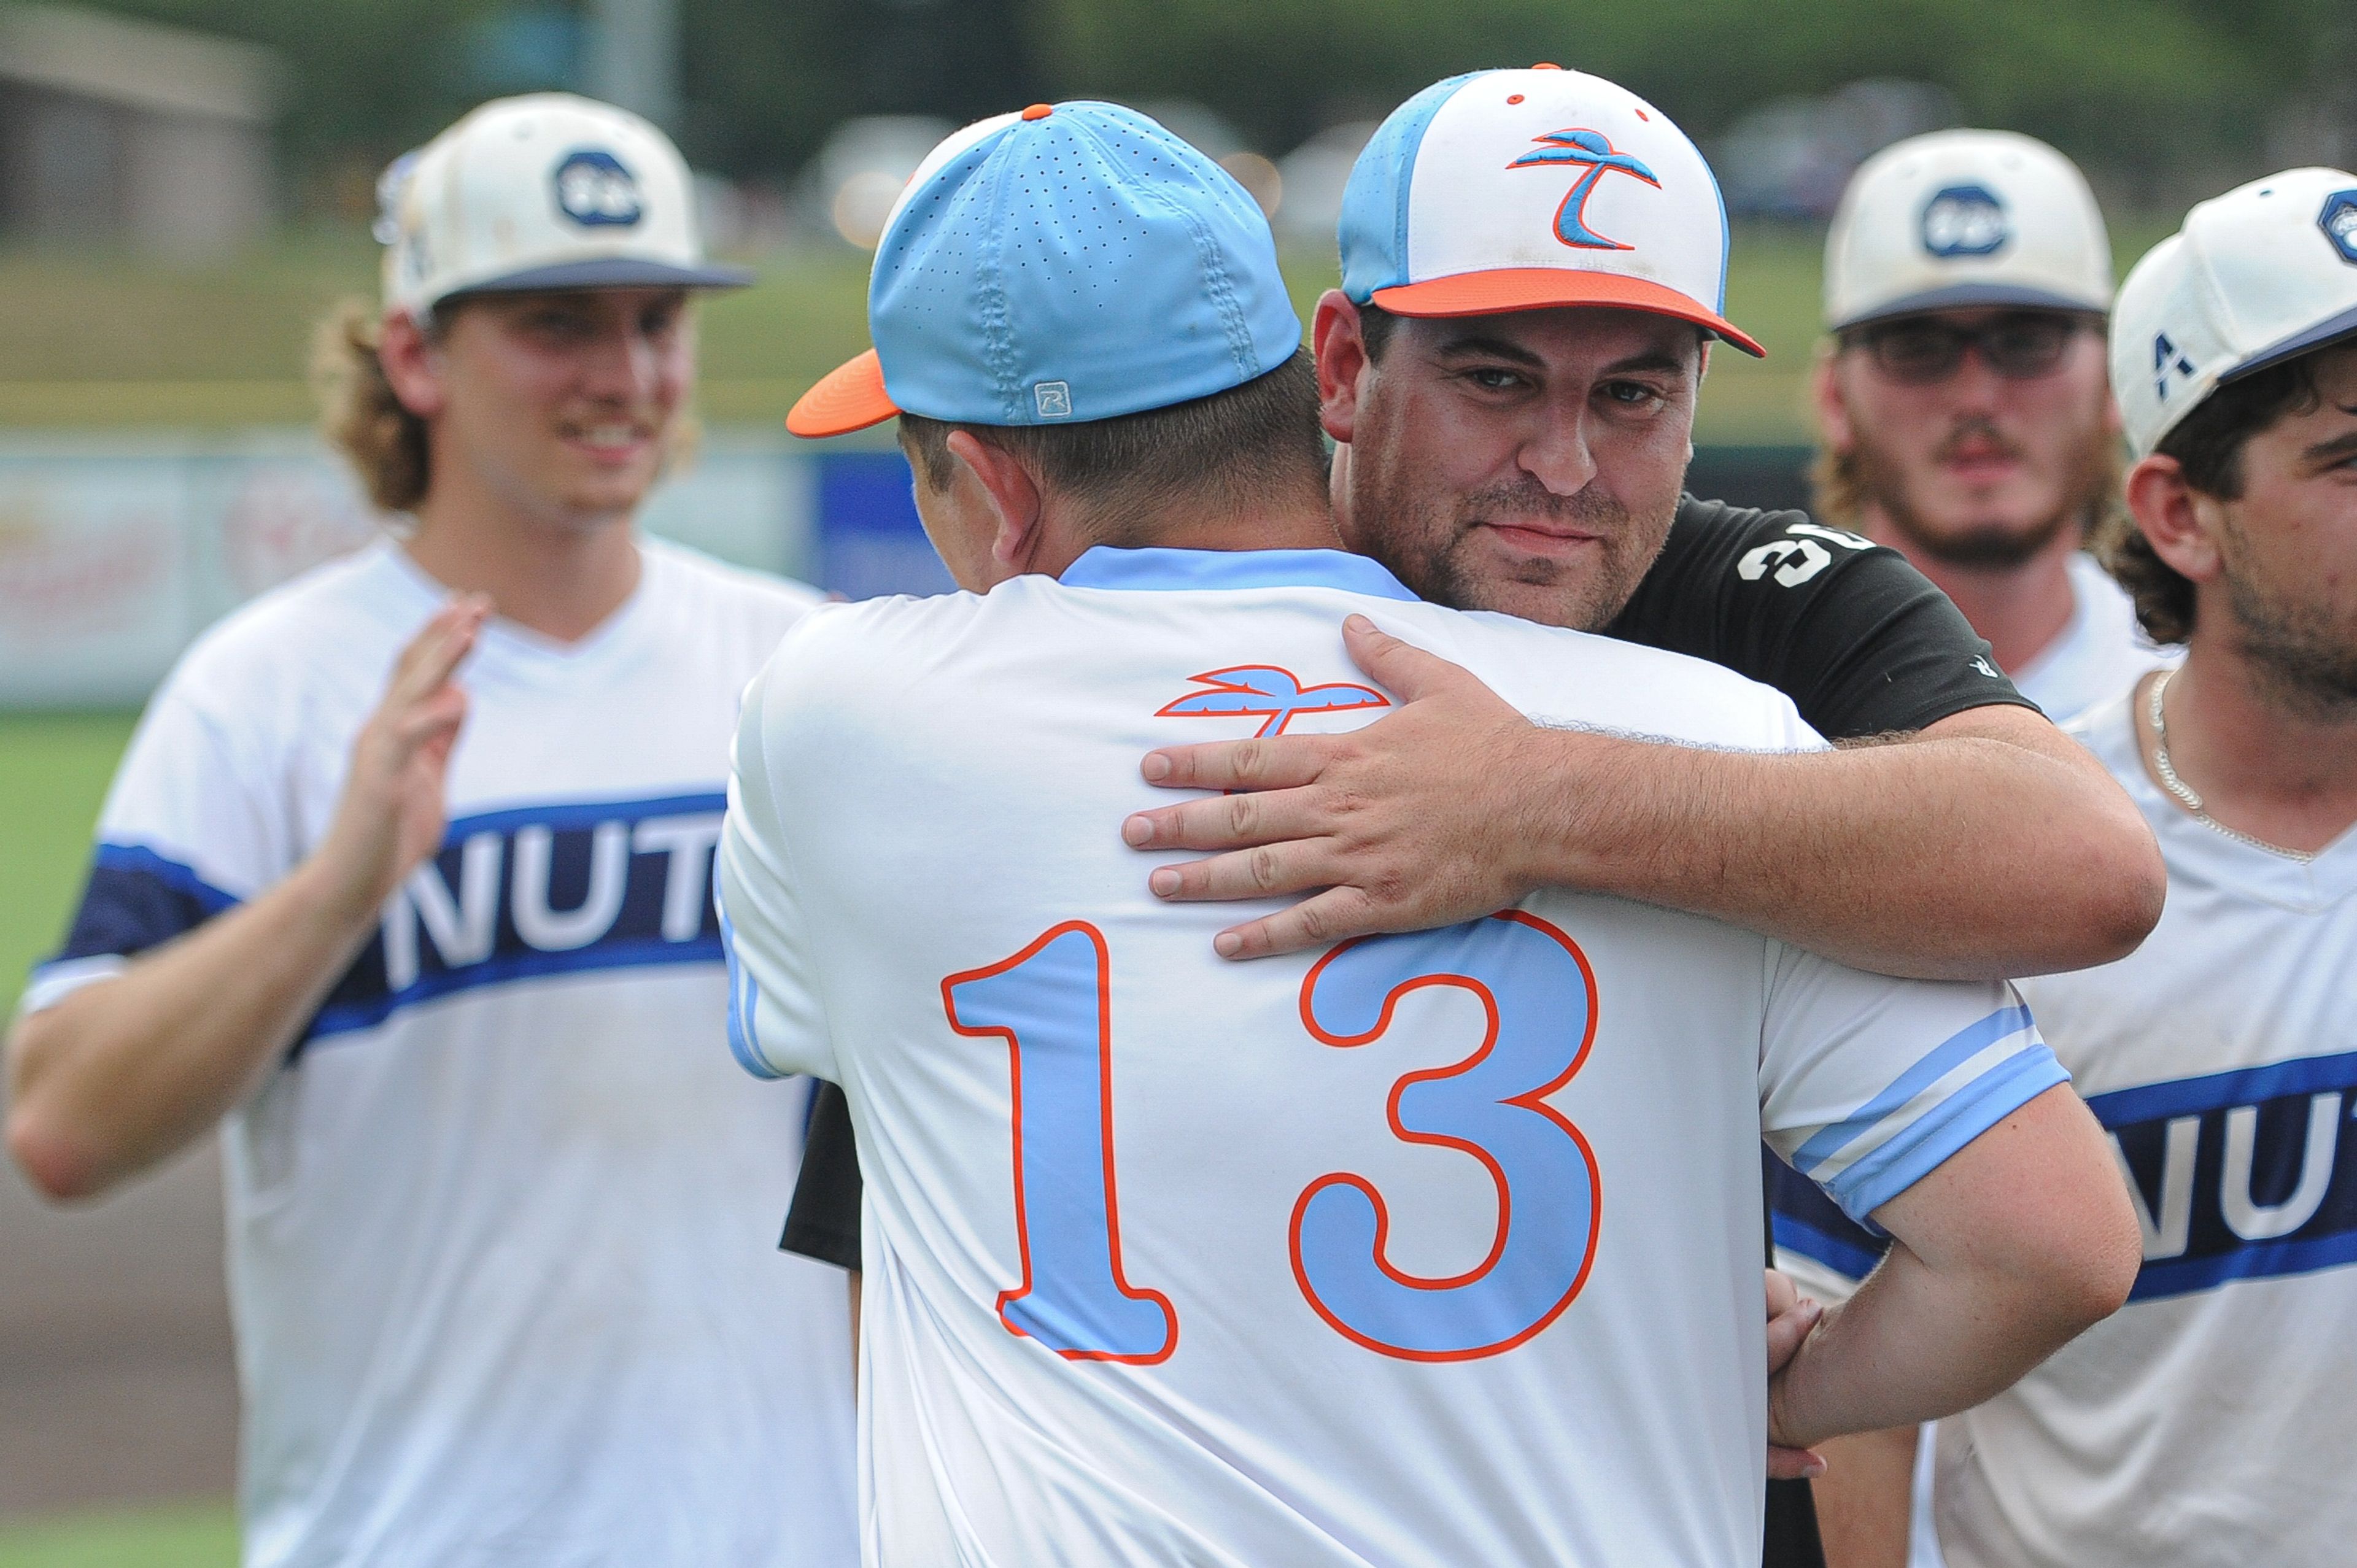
(116, 550)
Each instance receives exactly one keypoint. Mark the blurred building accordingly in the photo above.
(116, 130)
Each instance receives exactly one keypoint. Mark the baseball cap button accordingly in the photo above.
(1039, 112)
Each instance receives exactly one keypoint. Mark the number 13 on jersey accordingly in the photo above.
(1051, 1004)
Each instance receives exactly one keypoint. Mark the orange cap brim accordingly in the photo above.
(1540, 288)
(852, 397)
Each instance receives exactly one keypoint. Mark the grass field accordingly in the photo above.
(99, 341)
(185, 1536)
(53, 774)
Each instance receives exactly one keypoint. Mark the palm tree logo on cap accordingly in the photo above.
(1595, 150)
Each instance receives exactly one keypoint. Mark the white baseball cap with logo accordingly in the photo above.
(2262, 274)
(1505, 190)
(544, 192)
(1957, 220)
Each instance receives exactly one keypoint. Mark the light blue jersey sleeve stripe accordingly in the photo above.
(1921, 1146)
(1936, 1064)
(743, 1001)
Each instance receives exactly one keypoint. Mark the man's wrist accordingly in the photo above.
(325, 890)
(1608, 814)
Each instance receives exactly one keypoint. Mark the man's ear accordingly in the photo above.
(412, 362)
(1010, 491)
(2180, 523)
(1833, 409)
(1342, 363)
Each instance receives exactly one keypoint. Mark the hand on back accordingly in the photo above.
(1406, 826)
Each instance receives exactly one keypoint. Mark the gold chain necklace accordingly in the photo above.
(2184, 791)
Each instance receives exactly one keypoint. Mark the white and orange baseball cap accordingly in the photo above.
(1504, 190)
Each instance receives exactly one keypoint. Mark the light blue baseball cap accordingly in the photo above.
(1071, 263)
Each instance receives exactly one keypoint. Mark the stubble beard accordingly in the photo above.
(1434, 545)
(2302, 657)
(1991, 546)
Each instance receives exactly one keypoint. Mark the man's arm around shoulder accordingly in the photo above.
(1987, 844)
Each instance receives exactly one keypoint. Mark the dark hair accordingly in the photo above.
(2208, 446)
(1247, 444)
(1375, 328)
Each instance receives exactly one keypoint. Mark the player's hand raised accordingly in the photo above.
(1411, 823)
(392, 814)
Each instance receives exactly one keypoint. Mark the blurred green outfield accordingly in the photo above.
(189, 1535)
(97, 340)
(53, 774)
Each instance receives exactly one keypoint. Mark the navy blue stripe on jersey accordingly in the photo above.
(536, 891)
(136, 899)
(1808, 1222)
(2242, 1175)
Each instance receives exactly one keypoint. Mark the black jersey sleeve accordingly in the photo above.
(1860, 639)
(824, 1222)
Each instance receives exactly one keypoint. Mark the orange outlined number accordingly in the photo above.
(1051, 1003)
(1538, 995)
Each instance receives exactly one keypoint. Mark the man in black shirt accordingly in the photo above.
(1496, 461)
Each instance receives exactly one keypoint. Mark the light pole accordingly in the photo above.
(634, 56)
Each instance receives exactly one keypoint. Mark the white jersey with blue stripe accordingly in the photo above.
(2098, 652)
(502, 1229)
(2208, 1423)
(1431, 1248)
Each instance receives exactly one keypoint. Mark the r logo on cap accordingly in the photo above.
(596, 190)
(2339, 222)
(1053, 400)
(1964, 221)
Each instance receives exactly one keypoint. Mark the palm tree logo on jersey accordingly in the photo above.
(1595, 151)
(1264, 691)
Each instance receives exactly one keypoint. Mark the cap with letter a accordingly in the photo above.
(544, 192)
(1505, 190)
(1075, 262)
(2262, 274)
(1958, 219)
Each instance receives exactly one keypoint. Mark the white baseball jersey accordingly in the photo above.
(2208, 1424)
(1438, 1248)
(2098, 652)
(501, 1228)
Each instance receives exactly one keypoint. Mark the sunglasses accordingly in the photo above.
(1922, 350)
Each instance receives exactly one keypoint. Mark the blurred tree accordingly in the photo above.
(2122, 84)
(766, 81)
(2149, 93)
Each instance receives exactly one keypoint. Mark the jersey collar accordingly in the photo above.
(1103, 566)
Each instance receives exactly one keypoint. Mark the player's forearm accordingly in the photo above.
(2002, 1253)
(1865, 1498)
(1914, 1345)
(1988, 846)
(126, 1071)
